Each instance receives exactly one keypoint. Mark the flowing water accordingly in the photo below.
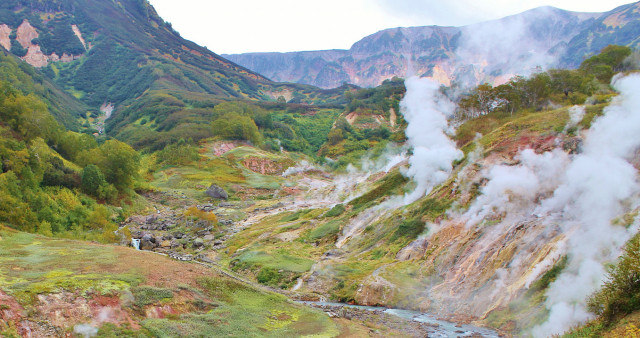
(441, 328)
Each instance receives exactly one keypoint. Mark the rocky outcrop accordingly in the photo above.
(266, 166)
(77, 32)
(217, 192)
(25, 34)
(416, 250)
(429, 51)
(376, 291)
(5, 40)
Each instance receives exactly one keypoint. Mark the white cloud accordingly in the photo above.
(292, 25)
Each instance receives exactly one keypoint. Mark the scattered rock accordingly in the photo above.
(198, 243)
(216, 192)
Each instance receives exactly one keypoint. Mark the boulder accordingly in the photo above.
(198, 243)
(416, 250)
(165, 244)
(216, 192)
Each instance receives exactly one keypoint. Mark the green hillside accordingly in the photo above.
(131, 59)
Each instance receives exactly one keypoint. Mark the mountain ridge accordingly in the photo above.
(433, 49)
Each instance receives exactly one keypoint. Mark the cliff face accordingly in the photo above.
(27, 35)
(492, 51)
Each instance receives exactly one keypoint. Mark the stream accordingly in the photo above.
(438, 328)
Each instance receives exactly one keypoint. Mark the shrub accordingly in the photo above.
(92, 179)
(410, 228)
(325, 230)
(145, 295)
(335, 211)
(202, 215)
(620, 294)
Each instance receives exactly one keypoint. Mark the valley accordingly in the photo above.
(150, 187)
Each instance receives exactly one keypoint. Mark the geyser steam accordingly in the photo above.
(426, 111)
(595, 185)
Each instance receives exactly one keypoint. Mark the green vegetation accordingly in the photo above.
(71, 274)
(145, 295)
(336, 211)
(620, 294)
(557, 86)
(326, 231)
(41, 187)
(390, 185)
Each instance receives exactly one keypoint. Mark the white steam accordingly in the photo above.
(596, 184)
(576, 114)
(426, 112)
(512, 191)
(85, 330)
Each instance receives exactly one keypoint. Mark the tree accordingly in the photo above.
(120, 164)
(92, 179)
(336, 136)
(608, 62)
(537, 89)
(235, 127)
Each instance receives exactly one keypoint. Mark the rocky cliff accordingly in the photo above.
(491, 51)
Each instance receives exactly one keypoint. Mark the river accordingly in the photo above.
(438, 328)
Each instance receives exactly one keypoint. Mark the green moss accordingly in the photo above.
(326, 230)
(549, 277)
(146, 295)
(336, 211)
(409, 228)
(389, 185)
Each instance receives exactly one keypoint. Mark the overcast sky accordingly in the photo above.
(239, 26)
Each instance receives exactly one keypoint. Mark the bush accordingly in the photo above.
(325, 230)
(410, 229)
(145, 295)
(268, 276)
(92, 179)
(335, 211)
(202, 215)
(620, 294)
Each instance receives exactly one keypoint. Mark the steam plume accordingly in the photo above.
(596, 184)
(426, 112)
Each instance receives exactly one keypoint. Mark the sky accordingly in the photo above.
(241, 26)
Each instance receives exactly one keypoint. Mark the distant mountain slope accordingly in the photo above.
(122, 54)
(546, 36)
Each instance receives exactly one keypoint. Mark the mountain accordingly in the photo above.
(126, 64)
(546, 36)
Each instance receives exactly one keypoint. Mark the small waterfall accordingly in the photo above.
(135, 242)
(298, 285)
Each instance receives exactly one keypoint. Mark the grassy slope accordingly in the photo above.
(268, 244)
(203, 303)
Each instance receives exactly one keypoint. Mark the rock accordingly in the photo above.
(416, 250)
(152, 218)
(376, 291)
(146, 245)
(209, 238)
(178, 235)
(198, 243)
(165, 244)
(204, 259)
(216, 192)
